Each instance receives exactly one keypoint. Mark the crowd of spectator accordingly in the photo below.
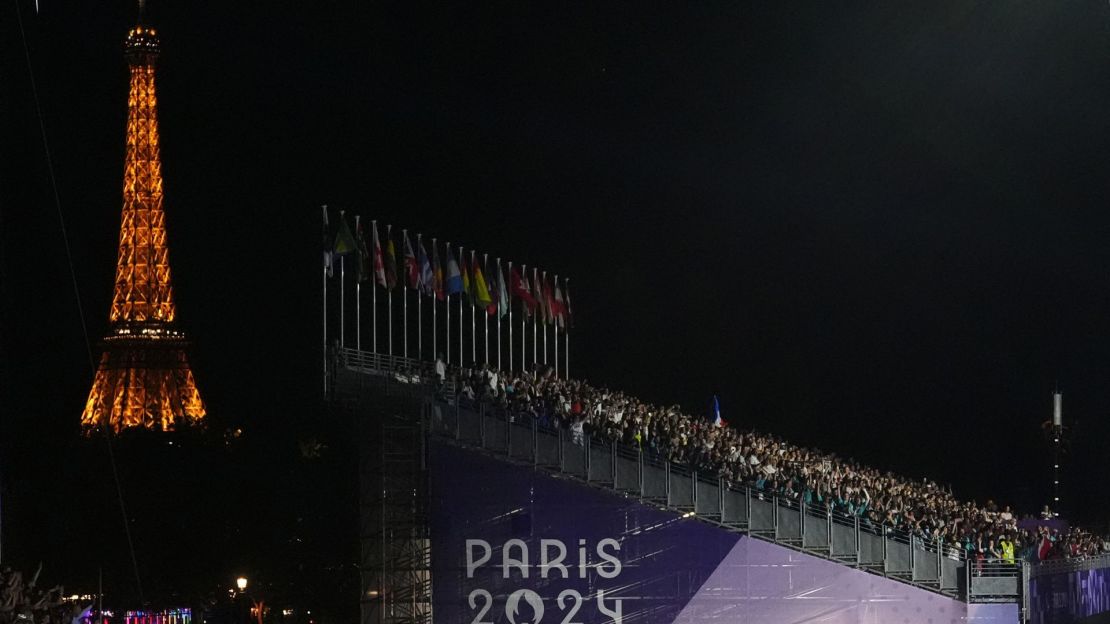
(884, 501)
(21, 601)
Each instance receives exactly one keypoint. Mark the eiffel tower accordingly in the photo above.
(143, 378)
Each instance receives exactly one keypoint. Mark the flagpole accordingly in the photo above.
(523, 327)
(566, 334)
(447, 305)
(405, 295)
(373, 286)
(510, 304)
(556, 336)
(389, 295)
(327, 264)
(547, 316)
(535, 342)
(500, 280)
(342, 299)
(485, 319)
(419, 307)
(358, 290)
(473, 333)
(462, 253)
(435, 330)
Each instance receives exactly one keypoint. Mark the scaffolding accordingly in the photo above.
(395, 568)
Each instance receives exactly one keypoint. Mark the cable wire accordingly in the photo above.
(77, 293)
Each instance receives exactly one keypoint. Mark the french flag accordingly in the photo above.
(717, 420)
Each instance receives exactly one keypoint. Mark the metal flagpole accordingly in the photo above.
(435, 330)
(485, 319)
(556, 285)
(373, 284)
(358, 289)
(535, 343)
(500, 279)
(461, 295)
(342, 299)
(389, 295)
(447, 306)
(566, 336)
(508, 292)
(419, 306)
(405, 295)
(474, 334)
(523, 327)
(327, 263)
(543, 293)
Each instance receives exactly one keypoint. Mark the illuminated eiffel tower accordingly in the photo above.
(143, 379)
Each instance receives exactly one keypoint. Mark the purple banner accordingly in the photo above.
(1068, 597)
(515, 545)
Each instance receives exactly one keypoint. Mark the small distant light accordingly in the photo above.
(1055, 465)
(1056, 498)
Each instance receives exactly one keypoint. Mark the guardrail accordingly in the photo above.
(1055, 566)
(815, 529)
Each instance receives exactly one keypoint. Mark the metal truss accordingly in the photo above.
(395, 542)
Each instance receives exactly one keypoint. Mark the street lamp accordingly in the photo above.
(241, 604)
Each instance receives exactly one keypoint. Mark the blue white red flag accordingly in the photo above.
(717, 420)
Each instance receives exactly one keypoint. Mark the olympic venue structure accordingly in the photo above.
(469, 516)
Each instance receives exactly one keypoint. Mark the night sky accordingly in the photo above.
(879, 230)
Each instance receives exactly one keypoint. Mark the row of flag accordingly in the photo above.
(474, 279)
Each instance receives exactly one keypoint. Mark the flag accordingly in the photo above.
(437, 267)
(427, 276)
(494, 293)
(466, 291)
(411, 268)
(345, 242)
(454, 283)
(390, 259)
(502, 292)
(363, 251)
(717, 420)
(560, 307)
(549, 299)
(520, 288)
(379, 261)
(479, 288)
(537, 292)
(327, 244)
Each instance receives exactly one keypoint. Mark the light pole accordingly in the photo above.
(241, 584)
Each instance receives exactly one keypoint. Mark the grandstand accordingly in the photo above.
(498, 496)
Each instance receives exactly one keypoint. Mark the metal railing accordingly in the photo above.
(1055, 566)
(818, 530)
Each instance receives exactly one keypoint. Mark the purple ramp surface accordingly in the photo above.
(762, 583)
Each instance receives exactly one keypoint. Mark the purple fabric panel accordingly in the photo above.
(664, 558)
(1069, 596)
(1032, 524)
(672, 569)
(763, 583)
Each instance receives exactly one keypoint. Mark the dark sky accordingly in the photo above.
(881, 230)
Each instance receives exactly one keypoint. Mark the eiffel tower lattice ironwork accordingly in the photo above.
(143, 378)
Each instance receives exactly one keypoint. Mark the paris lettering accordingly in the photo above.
(550, 562)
